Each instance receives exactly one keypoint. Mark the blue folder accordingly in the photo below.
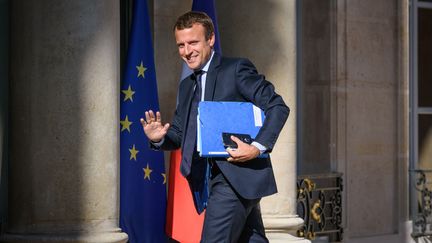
(214, 118)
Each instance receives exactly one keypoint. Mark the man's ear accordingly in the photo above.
(212, 40)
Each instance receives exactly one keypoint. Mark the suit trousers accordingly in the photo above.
(229, 217)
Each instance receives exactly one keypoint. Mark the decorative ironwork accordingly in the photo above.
(421, 203)
(319, 203)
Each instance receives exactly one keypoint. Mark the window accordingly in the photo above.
(421, 85)
(421, 115)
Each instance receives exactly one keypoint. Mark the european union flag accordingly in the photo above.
(142, 172)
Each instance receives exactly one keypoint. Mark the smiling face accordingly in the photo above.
(193, 47)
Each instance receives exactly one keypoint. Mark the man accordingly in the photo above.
(239, 182)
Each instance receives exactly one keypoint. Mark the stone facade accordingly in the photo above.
(341, 66)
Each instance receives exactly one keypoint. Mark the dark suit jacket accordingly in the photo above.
(235, 79)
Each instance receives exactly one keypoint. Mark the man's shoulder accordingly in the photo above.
(228, 60)
(237, 64)
(185, 83)
(234, 61)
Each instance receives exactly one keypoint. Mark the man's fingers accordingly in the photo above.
(147, 116)
(241, 154)
(165, 128)
(231, 159)
(158, 117)
(236, 140)
(229, 151)
(143, 122)
(233, 153)
(151, 115)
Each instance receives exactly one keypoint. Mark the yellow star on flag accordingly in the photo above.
(125, 124)
(128, 94)
(164, 176)
(141, 70)
(147, 172)
(133, 153)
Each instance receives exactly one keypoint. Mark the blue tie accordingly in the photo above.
(189, 146)
(195, 168)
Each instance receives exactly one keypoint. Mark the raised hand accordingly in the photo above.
(243, 152)
(153, 127)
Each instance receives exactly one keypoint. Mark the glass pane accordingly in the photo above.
(425, 57)
(425, 141)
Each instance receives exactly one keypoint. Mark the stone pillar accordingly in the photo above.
(64, 143)
(280, 211)
(266, 34)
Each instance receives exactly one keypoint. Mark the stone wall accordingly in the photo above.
(354, 111)
(371, 120)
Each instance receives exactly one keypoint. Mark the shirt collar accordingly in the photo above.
(207, 65)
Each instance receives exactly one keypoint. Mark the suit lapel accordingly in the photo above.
(188, 94)
(211, 77)
(209, 88)
(189, 89)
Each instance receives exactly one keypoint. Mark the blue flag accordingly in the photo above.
(142, 172)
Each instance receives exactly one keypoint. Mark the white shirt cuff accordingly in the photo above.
(259, 146)
(159, 143)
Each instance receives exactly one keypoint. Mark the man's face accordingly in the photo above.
(193, 47)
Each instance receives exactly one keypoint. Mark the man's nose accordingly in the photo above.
(187, 50)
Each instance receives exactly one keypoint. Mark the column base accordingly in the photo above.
(274, 237)
(283, 228)
(76, 237)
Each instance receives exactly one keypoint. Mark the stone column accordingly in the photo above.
(280, 210)
(266, 34)
(64, 143)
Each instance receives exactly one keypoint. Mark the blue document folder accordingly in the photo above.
(215, 118)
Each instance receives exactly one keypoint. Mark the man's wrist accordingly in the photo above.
(259, 146)
(157, 144)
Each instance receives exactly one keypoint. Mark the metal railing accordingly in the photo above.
(319, 203)
(421, 202)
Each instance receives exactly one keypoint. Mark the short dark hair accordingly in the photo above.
(190, 18)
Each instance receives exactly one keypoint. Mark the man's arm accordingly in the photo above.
(255, 88)
(261, 92)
